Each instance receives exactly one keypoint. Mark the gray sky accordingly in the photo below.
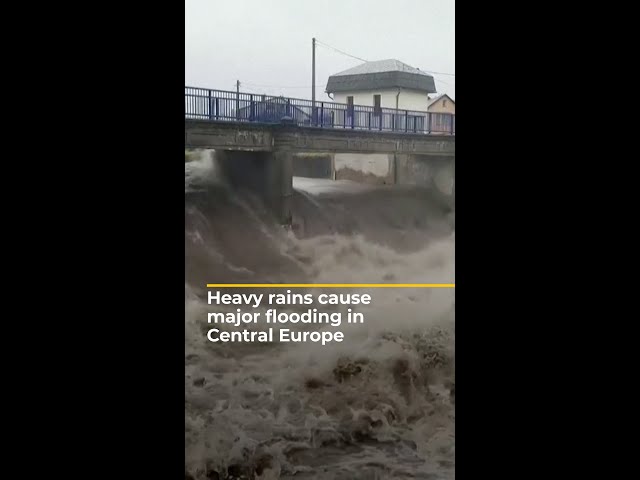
(266, 44)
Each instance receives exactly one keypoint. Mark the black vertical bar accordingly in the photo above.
(252, 112)
(321, 114)
(238, 102)
(313, 81)
(429, 123)
(210, 112)
(369, 121)
(217, 109)
(344, 118)
(381, 118)
(406, 120)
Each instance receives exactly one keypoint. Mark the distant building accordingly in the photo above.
(383, 84)
(442, 104)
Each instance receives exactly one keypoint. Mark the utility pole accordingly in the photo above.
(237, 99)
(313, 80)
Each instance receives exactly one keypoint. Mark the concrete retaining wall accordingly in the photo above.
(427, 170)
(436, 171)
(375, 168)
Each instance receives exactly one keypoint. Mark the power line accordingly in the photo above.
(440, 73)
(446, 83)
(259, 85)
(366, 61)
(318, 42)
(279, 86)
(340, 51)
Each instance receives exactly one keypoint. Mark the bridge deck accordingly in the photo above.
(253, 136)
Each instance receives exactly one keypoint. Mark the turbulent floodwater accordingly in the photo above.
(379, 405)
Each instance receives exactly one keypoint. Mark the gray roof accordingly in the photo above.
(380, 66)
(381, 74)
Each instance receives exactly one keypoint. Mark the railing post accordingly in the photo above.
(406, 121)
(429, 123)
(381, 117)
(252, 114)
(369, 121)
(451, 128)
(344, 118)
(321, 114)
(217, 109)
(209, 107)
(353, 117)
(237, 106)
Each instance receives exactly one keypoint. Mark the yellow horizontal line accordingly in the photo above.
(331, 285)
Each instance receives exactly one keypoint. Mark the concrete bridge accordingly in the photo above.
(253, 137)
(264, 156)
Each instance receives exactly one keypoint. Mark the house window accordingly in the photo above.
(376, 105)
(350, 106)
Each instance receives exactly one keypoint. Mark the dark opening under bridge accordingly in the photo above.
(257, 136)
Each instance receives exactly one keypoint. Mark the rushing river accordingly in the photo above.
(378, 405)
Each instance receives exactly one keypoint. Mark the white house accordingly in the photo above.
(383, 84)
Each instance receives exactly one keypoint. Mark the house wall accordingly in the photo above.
(408, 100)
(440, 107)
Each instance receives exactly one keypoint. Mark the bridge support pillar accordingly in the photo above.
(267, 174)
(279, 184)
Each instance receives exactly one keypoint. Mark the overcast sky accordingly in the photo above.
(267, 44)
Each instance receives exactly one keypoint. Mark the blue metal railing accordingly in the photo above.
(227, 106)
